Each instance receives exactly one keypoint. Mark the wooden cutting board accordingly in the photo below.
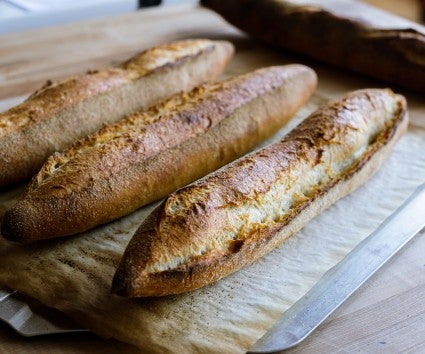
(387, 314)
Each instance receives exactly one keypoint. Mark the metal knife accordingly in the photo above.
(33, 320)
(346, 277)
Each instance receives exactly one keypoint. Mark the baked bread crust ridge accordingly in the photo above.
(214, 227)
(54, 117)
(150, 154)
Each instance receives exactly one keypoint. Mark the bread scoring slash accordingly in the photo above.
(52, 118)
(150, 154)
(228, 220)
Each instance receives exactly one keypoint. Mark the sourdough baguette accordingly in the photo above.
(54, 117)
(150, 154)
(347, 34)
(228, 220)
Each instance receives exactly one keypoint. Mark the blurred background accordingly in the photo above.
(21, 15)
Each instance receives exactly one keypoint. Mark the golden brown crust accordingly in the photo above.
(392, 55)
(150, 154)
(54, 97)
(56, 115)
(205, 231)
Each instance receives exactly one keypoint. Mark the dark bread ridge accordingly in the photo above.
(395, 56)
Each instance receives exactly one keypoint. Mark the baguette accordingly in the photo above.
(150, 154)
(228, 220)
(347, 34)
(52, 118)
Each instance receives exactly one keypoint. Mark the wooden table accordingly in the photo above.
(385, 315)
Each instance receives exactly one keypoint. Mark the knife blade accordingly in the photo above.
(346, 277)
(30, 320)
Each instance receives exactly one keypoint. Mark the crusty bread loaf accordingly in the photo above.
(54, 117)
(228, 220)
(347, 34)
(150, 154)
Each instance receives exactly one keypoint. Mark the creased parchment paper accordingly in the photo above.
(74, 274)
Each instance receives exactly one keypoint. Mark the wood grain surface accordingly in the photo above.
(386, 315)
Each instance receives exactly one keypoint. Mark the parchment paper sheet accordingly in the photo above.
(74, 274)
